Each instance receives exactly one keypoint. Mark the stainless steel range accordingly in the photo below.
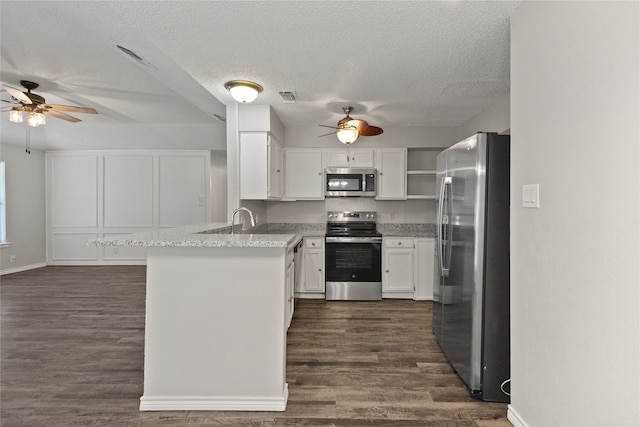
(353, 257)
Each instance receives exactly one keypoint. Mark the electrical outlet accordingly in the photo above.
(12, 258)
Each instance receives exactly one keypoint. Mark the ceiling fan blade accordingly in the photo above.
(60, 115)
(326, 134)
(18, 94)
(332, 127)
(71, 108)
(7, 108)
(371, 131)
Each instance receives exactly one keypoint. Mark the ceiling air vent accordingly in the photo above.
(288, 97)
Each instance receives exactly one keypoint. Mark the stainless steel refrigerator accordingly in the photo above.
(471, 292)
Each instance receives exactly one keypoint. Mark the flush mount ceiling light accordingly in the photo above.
(243, 90)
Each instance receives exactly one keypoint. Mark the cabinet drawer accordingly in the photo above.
(314, 242)
(398, 242)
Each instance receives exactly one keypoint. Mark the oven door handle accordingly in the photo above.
(353, 239)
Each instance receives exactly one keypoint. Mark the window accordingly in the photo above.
(3, 211)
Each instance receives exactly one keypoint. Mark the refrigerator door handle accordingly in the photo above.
(448, 226)
(444, 272)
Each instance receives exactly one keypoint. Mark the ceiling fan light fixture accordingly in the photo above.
(243, 90)
(35, 119)
(347, 135)
(15, 115)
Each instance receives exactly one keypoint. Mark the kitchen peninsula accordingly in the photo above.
(217, 310)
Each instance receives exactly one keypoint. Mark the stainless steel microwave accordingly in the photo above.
(350, 182)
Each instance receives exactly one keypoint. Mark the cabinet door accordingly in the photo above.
(303, 174)
(289, 293)
(398, 270)
(314, 270)
(337, 158)
(275, 179)
(424, 268)
(254, 166)
(361, 158)
(392, 174)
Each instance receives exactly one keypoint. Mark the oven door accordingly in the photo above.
(353, 268)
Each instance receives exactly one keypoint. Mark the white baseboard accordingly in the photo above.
(305, 295)
(213, 403)
(515, 418)
(22, 268)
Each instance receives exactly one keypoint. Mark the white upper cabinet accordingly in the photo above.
(260, 166)
(304, 177)
(350, 158)
(276, 170)
(260, 118)
(391, 164)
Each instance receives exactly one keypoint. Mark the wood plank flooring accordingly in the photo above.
(72, 343)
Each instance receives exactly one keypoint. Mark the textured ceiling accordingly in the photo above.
(421, 63)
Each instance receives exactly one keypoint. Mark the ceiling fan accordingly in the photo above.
(349, 129)
(36, 107)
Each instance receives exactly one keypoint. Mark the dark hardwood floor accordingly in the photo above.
(72, 342)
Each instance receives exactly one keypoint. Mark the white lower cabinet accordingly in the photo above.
(289, 303)
(313, 284)
(424, 264)
(397, 267)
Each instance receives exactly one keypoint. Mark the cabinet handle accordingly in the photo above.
(386, 271)
(313, 243)
(399, 243)
(319, 269)
(380, 173)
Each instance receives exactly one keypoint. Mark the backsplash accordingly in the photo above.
(396, 212)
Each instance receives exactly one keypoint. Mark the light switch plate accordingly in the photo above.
(531, 196)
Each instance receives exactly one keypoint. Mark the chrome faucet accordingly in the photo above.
(233, 218)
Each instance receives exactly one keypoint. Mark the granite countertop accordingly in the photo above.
(270, 235)
(216, 235)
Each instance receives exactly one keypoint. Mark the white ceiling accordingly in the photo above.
(416, 63)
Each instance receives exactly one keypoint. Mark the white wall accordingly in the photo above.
(113, 135)
(219, 186)
(492, 119)
(25, 192)
(575, 269)
(94, 194)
